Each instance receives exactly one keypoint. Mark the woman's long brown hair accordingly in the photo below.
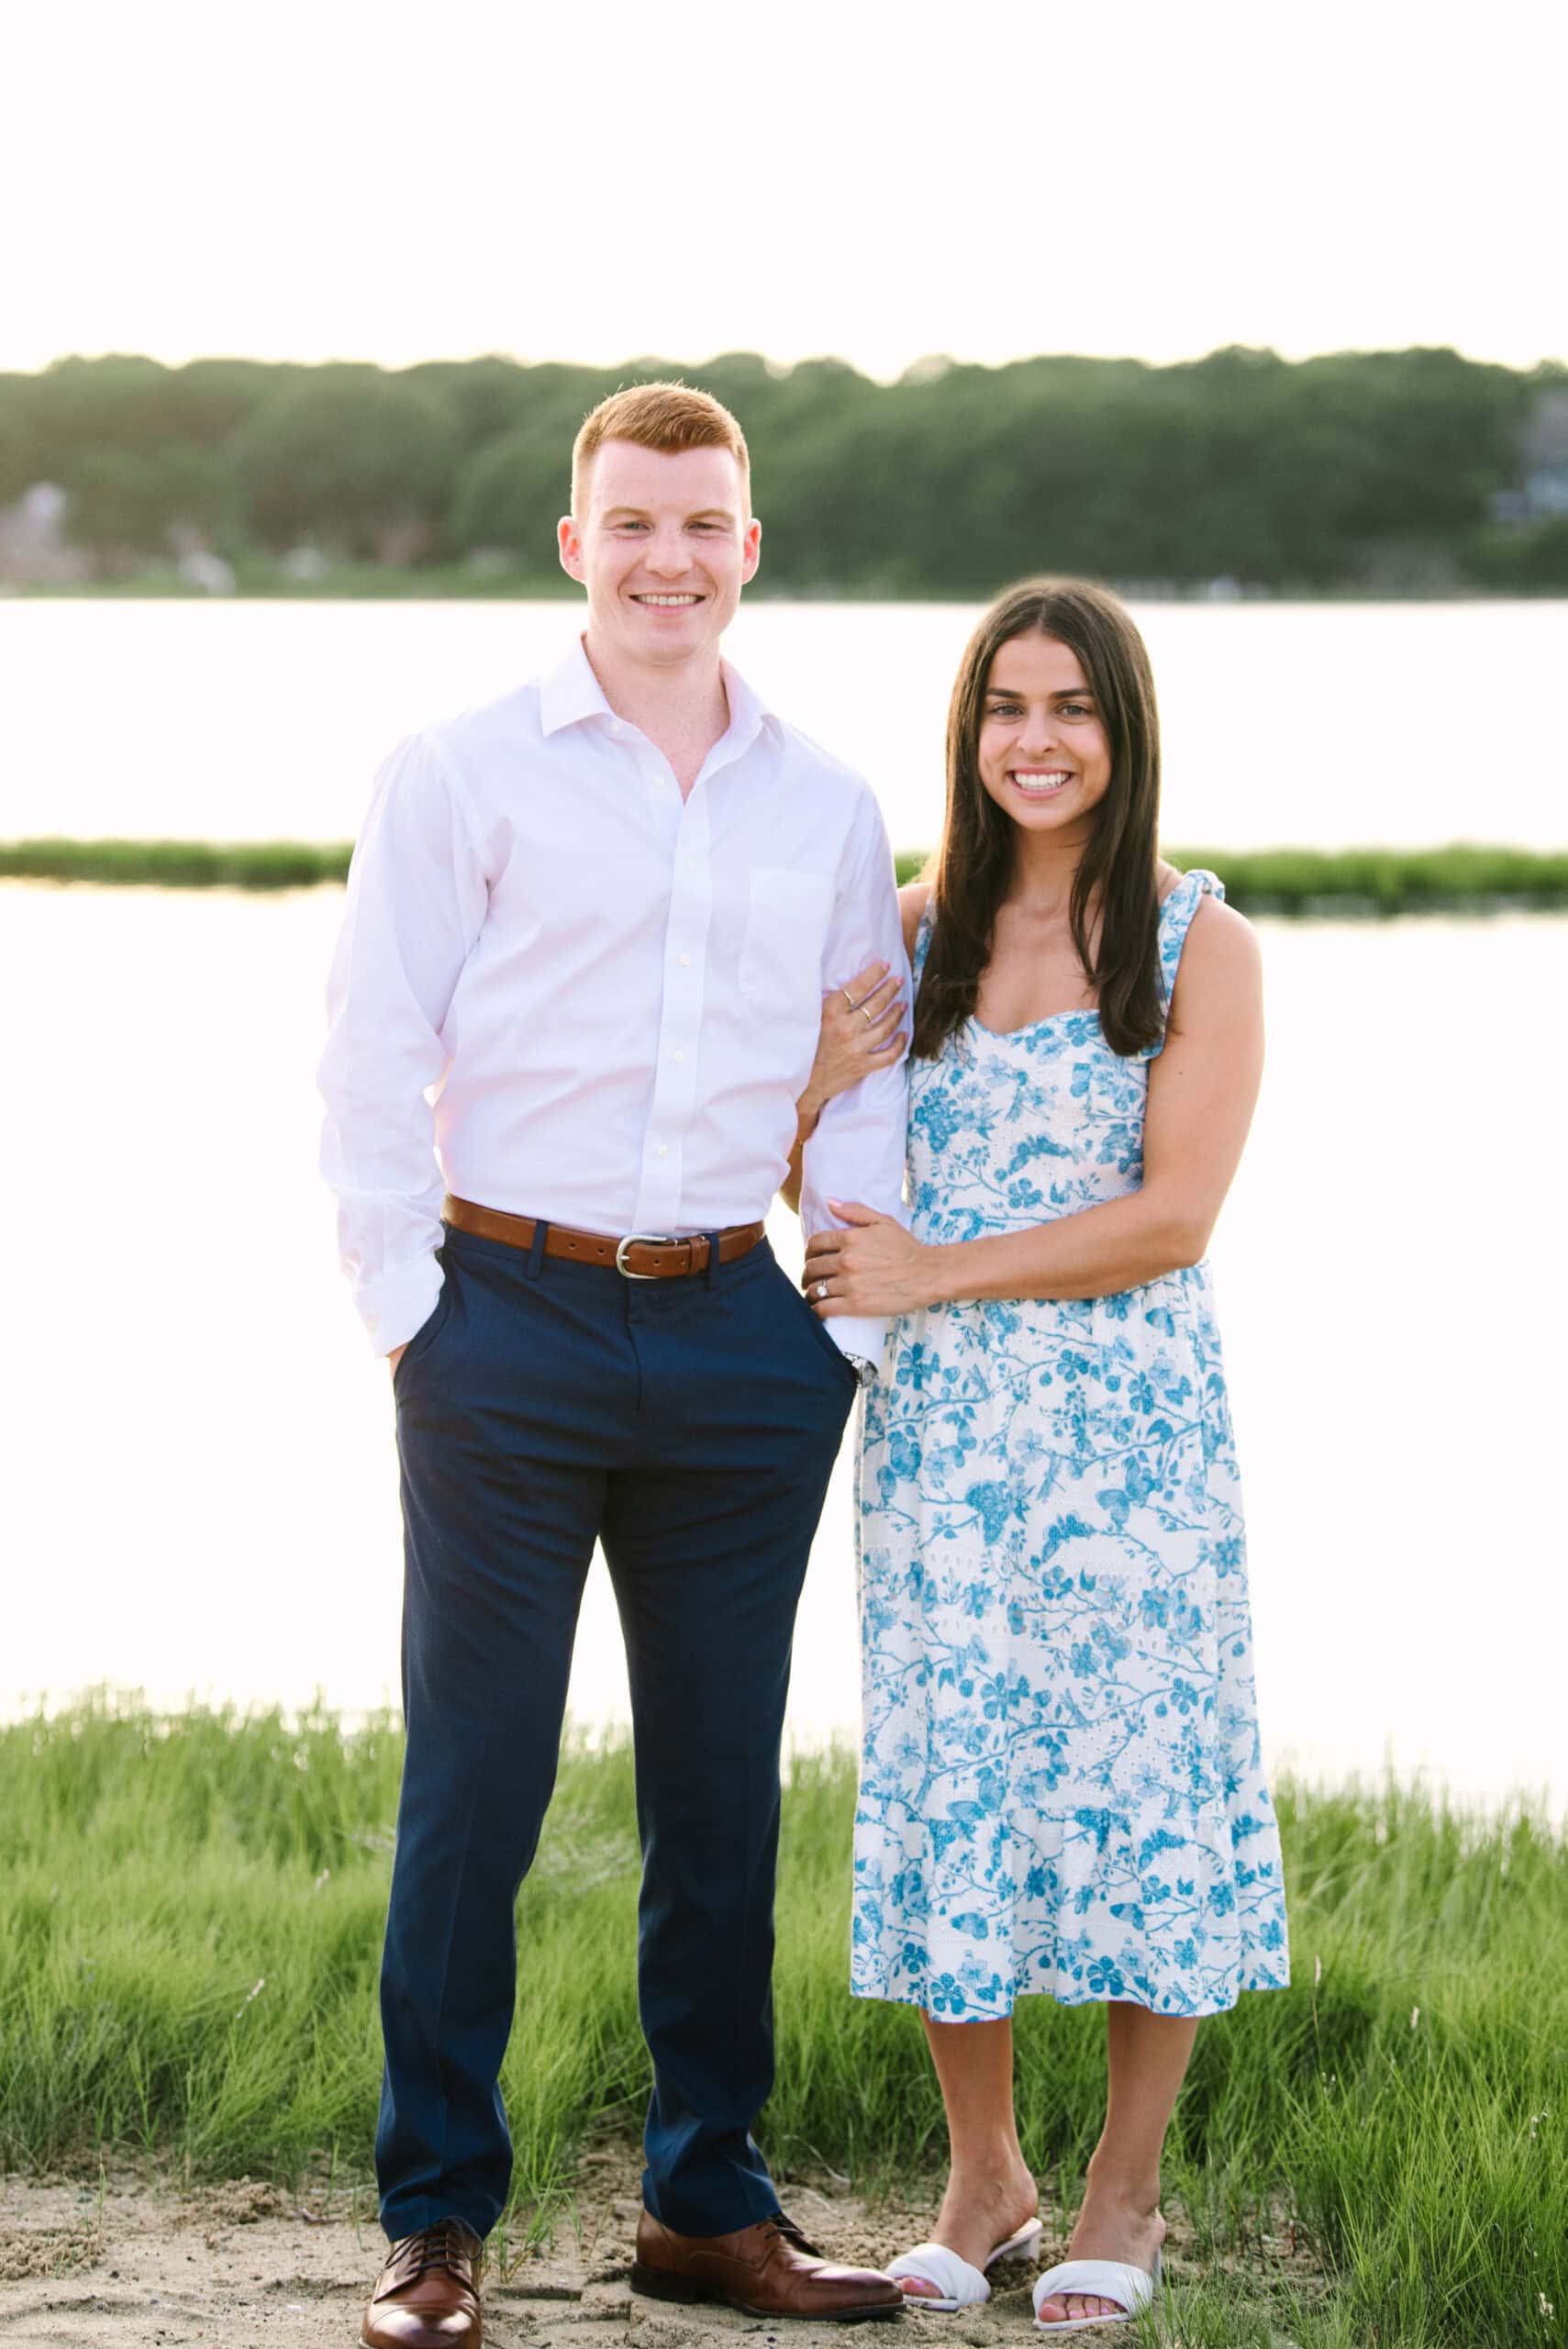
(1116, 879)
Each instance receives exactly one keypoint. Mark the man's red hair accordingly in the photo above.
(660, 416)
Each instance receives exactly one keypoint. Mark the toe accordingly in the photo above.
(918, 2287)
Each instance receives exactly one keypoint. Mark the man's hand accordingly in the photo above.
(396, 1356)
(874, 1268)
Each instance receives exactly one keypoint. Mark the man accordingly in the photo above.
(592, 925)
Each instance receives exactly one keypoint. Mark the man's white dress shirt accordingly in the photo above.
(598, 1002)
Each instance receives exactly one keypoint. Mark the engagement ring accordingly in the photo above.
(821, 1288)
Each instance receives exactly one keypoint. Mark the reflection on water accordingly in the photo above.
(202, 1492)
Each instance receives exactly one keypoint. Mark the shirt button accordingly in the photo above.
(686, 962)
(663, 1150)
(691, 864)
(677, 1056)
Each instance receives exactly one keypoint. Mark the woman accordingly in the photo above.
(1060, 1790)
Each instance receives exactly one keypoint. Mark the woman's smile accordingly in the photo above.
(1039, 783)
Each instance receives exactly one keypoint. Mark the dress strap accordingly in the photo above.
(1175, 920)
(922, 941)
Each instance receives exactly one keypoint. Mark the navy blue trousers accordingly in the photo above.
(690, 1425)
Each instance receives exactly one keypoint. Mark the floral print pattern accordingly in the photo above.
(1061, 1786)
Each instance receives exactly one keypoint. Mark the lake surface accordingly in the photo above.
(200, 1485)
(1318, 724)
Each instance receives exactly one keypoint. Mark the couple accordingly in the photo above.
(595, 925)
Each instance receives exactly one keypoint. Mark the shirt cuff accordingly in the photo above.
(398, 1303)
(853, 1334)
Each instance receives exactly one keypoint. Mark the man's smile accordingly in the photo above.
(664, 603)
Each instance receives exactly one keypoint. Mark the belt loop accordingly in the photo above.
(536, 1253)
(712, 1259)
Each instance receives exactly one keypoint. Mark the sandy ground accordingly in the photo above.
(131, 2261)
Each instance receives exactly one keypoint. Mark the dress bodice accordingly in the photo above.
(1007, 1130)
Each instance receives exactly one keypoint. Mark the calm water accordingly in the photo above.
(200, 1482)
(1326, 724)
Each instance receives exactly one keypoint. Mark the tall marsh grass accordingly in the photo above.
(1463, 876)
(190, 1921)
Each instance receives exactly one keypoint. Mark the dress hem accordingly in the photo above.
(1082, 1998)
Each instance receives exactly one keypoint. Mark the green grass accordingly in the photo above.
(1464, 876)
(175, 864)
(191, 1925)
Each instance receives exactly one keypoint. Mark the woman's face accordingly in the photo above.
(1042, 752)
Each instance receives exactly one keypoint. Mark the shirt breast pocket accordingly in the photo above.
(780, 955)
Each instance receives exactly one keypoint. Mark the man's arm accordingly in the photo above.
(416, 898)
(857, 1150)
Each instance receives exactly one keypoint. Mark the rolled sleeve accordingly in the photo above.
(416, 898)
(857, 1151)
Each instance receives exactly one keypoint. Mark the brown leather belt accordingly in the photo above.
(641, 1255)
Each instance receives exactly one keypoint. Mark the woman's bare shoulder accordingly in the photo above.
(912, 902)
(1220, 951)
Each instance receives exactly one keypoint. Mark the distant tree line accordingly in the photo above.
(1397, 470)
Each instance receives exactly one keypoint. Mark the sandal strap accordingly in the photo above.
(1101, 2279)
(933, 2263)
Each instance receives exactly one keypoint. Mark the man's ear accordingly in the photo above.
(569, 545)
(750, 546)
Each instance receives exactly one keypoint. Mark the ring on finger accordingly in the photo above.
(849, 998)
(823, 1290)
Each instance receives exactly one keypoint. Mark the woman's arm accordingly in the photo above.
(850, 1045)
(1202, 1090)
(862, 1029)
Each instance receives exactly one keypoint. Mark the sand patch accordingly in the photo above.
(134, 2261)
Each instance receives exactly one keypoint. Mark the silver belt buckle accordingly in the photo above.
(644, 1239)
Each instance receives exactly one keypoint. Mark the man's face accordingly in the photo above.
(664, 547)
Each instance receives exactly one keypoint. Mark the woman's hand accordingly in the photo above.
(875, 1267)
(863, 1030)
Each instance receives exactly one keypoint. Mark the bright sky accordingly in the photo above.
(596, 180)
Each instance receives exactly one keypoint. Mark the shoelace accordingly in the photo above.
(787, 2230)
(446, 2245)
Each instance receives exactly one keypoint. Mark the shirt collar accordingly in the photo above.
(572, 693)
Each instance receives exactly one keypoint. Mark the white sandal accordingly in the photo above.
(1100, 2279)
(960, 2285)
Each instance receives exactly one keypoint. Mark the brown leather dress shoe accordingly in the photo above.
(768, 2270)
(427, 2296)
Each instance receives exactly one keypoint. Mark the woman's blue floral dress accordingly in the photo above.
(1061, 1788)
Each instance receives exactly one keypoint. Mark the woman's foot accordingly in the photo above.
(978, 2213)
(1113, 2224)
